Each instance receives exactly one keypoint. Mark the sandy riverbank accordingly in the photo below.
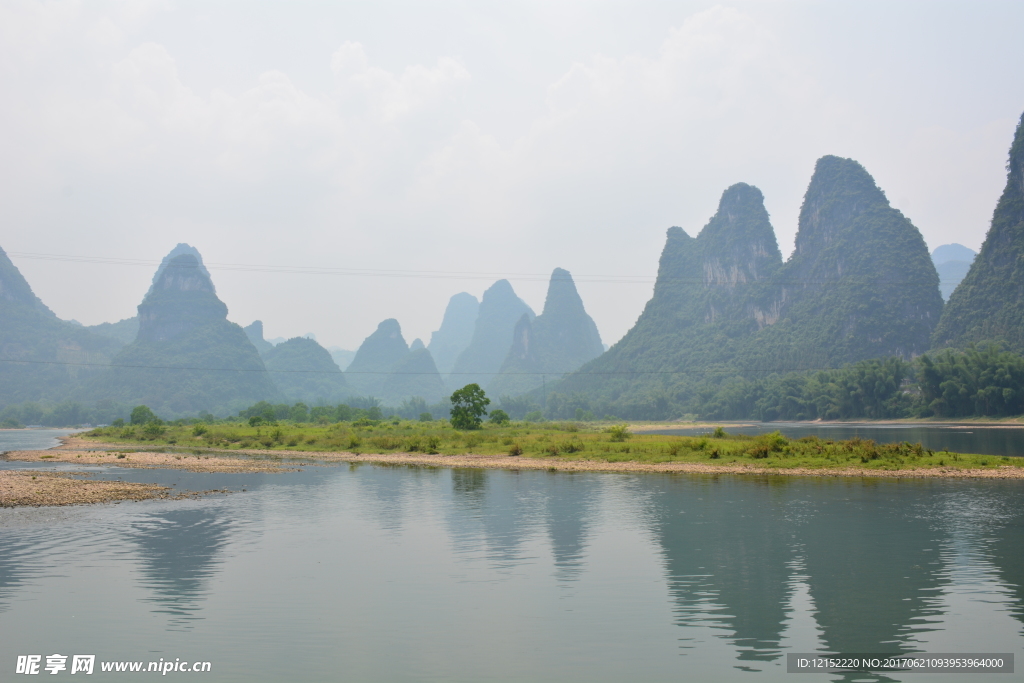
(279, 461)
(121, 456)
(32, 488)
(562, 465)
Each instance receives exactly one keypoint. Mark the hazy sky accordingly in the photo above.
(341, 163)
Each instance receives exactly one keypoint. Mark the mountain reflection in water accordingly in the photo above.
(178, 552)
(727, 555)
(405, 573)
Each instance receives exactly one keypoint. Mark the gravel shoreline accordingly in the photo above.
(32, 488)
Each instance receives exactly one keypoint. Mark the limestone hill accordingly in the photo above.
(456, 331)
(187, 357)
(377, 357)
(386, 368)
(559, 340)
(254, 331)
(859, 285)
(415, 375)
(125, 331)
(304, 371)
(988, 306)
(481, 361)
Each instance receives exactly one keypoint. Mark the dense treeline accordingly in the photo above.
(977, 382)
(947, 384)
(62, 414)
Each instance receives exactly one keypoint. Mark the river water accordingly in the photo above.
(958, 438)
(372, 573)
(31, 439)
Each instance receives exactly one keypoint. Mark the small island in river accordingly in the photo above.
(556, 447)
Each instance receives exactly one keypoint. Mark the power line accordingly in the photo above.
(459, 275)
(317, 270)
(374, 372)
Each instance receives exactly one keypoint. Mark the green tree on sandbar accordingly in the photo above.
(469, 405)
(142, 415)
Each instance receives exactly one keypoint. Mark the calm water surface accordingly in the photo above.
(957, 438)
(32, 439)
(416, 574)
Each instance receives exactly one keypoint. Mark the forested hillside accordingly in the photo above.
(860, 283)
(942, 384)
(988, 306)
(304, 371)
(42, 357)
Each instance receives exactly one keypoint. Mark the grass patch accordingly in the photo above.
(566, 441)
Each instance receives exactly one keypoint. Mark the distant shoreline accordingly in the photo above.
(1007, 423)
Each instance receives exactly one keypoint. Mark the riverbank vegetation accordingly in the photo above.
(565, 441)
(977, 382)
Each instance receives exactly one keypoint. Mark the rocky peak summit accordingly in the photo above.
(500, 310)
(377, 356)
(840, 191)
(181, 299)
(180, 249)
(738, 244)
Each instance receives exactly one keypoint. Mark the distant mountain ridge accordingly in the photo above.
(952, 252)
(500, 310)
(859, 285)
(386, 368)
(952, 261)
(456, 331)
(41, 356)
(304, 371)
(561, 339)
(254, 331)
